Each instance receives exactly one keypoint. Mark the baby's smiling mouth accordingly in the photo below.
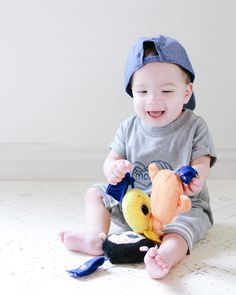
(155, 114)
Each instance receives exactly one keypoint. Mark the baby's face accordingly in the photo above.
(159, 92)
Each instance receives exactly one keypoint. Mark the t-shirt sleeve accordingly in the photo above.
(118, 143)
(203, 143)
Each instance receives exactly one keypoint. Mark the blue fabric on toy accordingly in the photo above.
(118, 191)
(186, 173)
(88, 267)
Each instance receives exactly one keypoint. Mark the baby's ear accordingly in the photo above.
(153, 170)
(188, 93)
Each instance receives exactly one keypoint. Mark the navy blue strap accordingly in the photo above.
(118, 191)
(186, 173)
(88, 267)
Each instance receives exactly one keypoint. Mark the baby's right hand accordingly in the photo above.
(118, 170)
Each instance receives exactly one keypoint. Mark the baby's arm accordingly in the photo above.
(202, 166)
(115, 168)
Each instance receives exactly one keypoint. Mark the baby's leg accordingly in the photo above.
(159, 261)
(87, 240)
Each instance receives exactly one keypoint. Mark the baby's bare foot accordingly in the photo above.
(156, 265)
(82, 241)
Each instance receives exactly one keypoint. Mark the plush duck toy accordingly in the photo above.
(149, 216)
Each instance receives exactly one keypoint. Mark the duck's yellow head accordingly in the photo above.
(137, 212)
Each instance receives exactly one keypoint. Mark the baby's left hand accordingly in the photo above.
(194, 187)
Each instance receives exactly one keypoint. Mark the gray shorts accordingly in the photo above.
(192, 226)
(113, 206)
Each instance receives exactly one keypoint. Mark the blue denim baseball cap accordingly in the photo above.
(168, 50)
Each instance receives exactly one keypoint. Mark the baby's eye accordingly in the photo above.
(142, 91)
(167, 91)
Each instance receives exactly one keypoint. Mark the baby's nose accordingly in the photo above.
(154, 97)
(154, 100)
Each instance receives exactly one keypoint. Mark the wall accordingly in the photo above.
(61, 78)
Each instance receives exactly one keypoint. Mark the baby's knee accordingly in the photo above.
(92, 194)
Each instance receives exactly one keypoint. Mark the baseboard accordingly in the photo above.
(50, 162)
(57, 162)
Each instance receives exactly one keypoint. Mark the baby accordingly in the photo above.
(165, 131)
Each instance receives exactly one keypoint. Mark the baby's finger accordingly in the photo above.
(128, 166)
(121, 166)
(187, 190)
(117, 173)
(196, 181)
(114, 179)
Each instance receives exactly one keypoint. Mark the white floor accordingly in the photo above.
(33, 260)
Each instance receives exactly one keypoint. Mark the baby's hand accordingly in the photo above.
(194, 187)
(118, 170)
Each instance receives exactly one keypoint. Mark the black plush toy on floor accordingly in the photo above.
(121, 247)
(124, 247)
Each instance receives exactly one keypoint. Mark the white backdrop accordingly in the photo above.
(61, 78)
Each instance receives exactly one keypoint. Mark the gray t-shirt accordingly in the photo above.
(170, 147)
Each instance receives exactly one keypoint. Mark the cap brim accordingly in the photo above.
(191, 103)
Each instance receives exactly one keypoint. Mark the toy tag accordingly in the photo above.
(88, 267)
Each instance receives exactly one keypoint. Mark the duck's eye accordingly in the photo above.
(144, 209)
